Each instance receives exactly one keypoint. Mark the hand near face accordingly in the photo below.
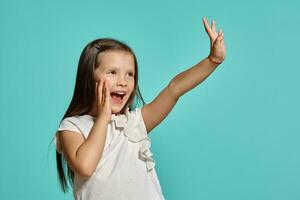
(103, 100)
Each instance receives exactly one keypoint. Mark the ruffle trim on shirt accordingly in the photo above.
(135, 132)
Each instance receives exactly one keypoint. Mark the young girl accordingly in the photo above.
(103, 138)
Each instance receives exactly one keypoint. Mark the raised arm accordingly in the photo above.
(154, 112)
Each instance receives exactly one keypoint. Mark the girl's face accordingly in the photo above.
(117, 68)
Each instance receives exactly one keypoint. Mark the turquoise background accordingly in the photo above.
(235, 136)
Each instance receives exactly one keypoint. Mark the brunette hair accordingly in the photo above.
(84, 94)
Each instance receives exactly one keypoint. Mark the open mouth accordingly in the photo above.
(117, 96)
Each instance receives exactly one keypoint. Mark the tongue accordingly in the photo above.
(116, 97)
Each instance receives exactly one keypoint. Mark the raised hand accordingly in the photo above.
(217, 46)
(103, 100)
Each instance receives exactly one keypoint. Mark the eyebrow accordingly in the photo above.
(115, 68)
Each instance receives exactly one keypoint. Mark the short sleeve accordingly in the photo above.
(142, 124)
(66, 124)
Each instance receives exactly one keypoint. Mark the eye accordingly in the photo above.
(130, 74)
(112, 72)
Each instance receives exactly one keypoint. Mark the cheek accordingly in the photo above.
(131, 86)
(98, 76)
(109, 81)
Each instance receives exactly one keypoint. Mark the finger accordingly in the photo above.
(103, 92)
(107, 96)
(222, 37)
(207, 28)
(100, 91)
(107, 83)
(220, 32)
(96, 87)
(218, 40)
(213, 25)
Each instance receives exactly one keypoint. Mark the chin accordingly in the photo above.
(116, 109)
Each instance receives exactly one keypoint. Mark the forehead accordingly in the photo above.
(115, 59)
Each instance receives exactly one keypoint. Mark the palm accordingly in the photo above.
(217, 45)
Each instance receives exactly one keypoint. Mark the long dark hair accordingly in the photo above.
(84, 95)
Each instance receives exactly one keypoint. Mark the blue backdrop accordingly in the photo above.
(233, 137)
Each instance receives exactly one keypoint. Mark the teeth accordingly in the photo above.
(121, 93)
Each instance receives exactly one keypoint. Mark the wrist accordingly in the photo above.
(102, 119)
(213, 60)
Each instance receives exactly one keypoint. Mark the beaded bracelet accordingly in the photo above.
(213, 60)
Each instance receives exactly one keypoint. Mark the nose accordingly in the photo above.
(121, 81)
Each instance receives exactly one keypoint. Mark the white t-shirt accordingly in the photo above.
(126, 170)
